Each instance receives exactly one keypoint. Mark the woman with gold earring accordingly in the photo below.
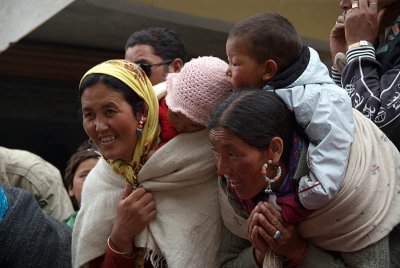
(260, 154)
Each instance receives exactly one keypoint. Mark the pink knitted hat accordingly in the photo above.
(200, 85)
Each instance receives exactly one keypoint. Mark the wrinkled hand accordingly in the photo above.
(362, 23)
(337, 39)
(263, 224)
(136, 209)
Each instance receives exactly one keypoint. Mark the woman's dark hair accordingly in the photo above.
(86, 150)
(255, 116)
(113, 83)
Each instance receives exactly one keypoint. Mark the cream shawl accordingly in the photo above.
(367, 206)
(181, 176)
(184, 184)
(96, 215)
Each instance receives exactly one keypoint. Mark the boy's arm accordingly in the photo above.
(325, 113)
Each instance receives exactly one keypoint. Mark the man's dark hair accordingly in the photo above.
(166, 43)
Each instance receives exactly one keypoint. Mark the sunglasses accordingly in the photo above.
(146, 67)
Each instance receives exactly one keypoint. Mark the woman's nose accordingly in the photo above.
(221, 167)
(100, 124)
(229, 72)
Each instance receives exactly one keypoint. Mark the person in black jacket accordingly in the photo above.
(365, 48)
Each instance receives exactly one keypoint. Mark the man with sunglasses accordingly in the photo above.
(157, 51)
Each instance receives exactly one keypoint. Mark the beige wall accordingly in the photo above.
(312, 18)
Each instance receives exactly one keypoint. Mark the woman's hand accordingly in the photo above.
(264, 223)
(136, 209)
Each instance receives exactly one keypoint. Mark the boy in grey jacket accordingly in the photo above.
(259, 58)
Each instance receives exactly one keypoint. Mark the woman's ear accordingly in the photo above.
(275, 150)
(175, 66)
(270, 70)
(141, 112)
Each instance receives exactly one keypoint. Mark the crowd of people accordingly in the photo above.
(268, 159)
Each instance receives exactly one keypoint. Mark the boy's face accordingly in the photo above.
(182, 124)
(243, 70)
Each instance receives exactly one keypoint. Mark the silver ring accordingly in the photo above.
(277, 235)
(354, 5)
(373, 4)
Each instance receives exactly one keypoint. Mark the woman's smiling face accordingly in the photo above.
(109, 121)
(239, 162)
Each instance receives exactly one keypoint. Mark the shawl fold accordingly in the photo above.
(184, 186)
(367, 206)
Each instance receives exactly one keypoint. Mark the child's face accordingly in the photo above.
(81, 172)
(182, 124)
(243, 70)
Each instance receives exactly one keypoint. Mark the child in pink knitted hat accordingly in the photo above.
(193, 93)
(181, 174)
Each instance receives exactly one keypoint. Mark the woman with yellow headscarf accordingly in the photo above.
(120, 115)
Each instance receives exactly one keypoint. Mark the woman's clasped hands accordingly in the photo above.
(266, 229)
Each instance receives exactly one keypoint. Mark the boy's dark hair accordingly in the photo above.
(166, 43)
(268, 35)
(255, 116)
(86, 150)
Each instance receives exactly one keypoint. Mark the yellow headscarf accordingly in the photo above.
(135, 78)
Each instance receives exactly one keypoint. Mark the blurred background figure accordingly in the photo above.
(28, 237)
(78, 167)
(32, 173)
(158, 51)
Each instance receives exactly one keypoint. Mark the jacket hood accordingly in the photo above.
(308, 69)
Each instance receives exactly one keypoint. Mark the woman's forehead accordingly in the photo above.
(223, 136)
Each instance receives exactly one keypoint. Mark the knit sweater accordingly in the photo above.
(29, 238)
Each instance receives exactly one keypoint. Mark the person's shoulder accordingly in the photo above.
(160, 90)
(20, 158)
